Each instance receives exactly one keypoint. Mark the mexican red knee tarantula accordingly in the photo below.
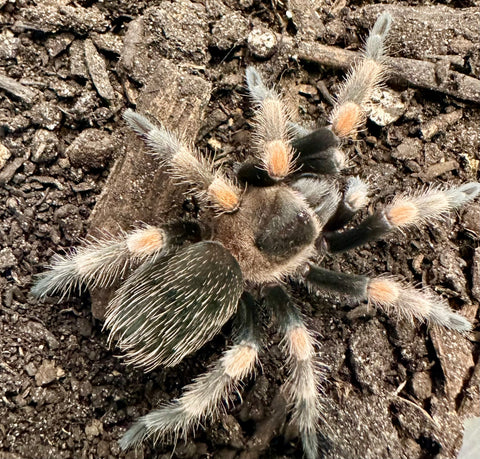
(179, 290)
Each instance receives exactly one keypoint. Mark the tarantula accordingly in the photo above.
(179, 287)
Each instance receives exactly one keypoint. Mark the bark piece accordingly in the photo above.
(98, 71)
(18, 90)
(138, 190)
(455, 355)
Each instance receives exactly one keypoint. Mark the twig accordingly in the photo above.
(417, 73)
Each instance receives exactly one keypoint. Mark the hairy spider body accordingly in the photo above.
(179, 289)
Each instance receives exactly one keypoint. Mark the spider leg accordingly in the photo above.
(355, 197)
(349, 110)
(316, 151)
(186, 165)
(272, 137)
(305, 371)
(203, 399)
(103, 260)
(321, 195)
(389, 295)
(319, 151)
(403, 212)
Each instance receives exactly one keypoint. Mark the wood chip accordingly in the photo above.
(437, 169)
(98, 71)
(18, 90)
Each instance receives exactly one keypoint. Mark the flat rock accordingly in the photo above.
(371, 354)
(455, 355)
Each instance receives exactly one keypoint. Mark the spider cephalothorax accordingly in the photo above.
(178, 290)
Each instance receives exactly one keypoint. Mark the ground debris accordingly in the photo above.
(98, 71)
(18, 90)
(414, 72)
(440, 123)
(438, 169)
(53, 17)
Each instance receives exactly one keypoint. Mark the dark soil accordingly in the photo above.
(395, 389)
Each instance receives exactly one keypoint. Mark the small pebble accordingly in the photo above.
(409, 149)
(440, 123)
(44, 146)
(385, 107)
(421, 384)
(94, 429)
(262, 42)
(47, 373)
(4, 155)
(59, 43)
(91, 149)
(7, 259)
(47, 115)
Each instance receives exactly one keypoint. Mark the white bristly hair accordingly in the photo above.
(169, 307)
(432, 204)
(185, 164)
(201, 400)
(256, 87)
(396, 297)
(303, 385)
(98, 263)
(321, 195)
(356, 193)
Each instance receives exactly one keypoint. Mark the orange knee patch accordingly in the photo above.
(402, 213)
(277, 159)
(347, 119)
(300, 343)
(240, 363)
(383, 291)
(223, 195)
(146, 241)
